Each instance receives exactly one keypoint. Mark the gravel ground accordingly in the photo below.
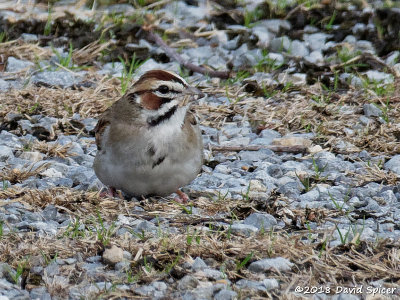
(320, 220)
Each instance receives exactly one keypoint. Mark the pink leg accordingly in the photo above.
(182, 197)
(110, 192)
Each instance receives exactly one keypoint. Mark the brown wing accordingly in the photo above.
(191, 117)
(100, 128)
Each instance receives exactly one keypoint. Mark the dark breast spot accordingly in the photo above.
(151, 151)
(158, 161)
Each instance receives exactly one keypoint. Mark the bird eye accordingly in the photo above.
(163, 89)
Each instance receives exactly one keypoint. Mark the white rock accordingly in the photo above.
(379, 76)
(113, 255)
(32, 156)
(52, 173)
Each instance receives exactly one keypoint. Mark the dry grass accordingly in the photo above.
(52, 150)
(314, 265)
(296, 112)
(19, 175)
(61, 103)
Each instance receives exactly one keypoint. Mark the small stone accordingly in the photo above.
(393, 164)
(365, 121)
(243, 229)
(225, 295)
(371, 110)
(393, 58)
(113, 255)
(292, 141)
(62, 79)
(315, 58)
(299, 49)
(5, 153)
(261, 221)
(315, 149)
(199, 264)
(270, 134)
(51, 173)
(50, 212)
(290, 189)
(280, 44)
(276, 59)
(279, 264)
(365, 46)
(145, 226)
(257, 186)
(397, 68)
(271, 284)
(380, 77)
(264, 37)
(251, 284)
(10, 140)
(298, 79)
(316, 41)
(16, 65)
(4, 85)
(39, 293)
(145, 290)
(32, 156)
(213, 274)
(114, 68)
(274, 25)
(29, 38)
(259, 155)
(188, 282)
(345, 296)
(238, 141)
(52, 269)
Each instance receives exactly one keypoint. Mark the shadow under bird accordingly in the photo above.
(149, 141)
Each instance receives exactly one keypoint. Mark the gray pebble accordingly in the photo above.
(262, 221)
(6, 153)
(243, 229)
(225, 295)
(393, 164)
(371, 110)
(16, 65)
(279, 264)
(188, 282)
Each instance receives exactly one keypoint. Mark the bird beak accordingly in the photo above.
(192, 91)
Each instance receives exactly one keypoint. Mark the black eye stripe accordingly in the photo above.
(165, 100)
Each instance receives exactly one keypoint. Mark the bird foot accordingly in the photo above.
(182, 197)
(109, 192)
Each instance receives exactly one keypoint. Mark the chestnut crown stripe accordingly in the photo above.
(162, 75)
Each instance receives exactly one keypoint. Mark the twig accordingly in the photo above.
(275, 148)
(171, 53)
(158, 3)
(367, 56)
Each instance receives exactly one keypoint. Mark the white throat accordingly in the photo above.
(168, 132)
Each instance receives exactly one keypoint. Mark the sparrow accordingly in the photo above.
(149, 142)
